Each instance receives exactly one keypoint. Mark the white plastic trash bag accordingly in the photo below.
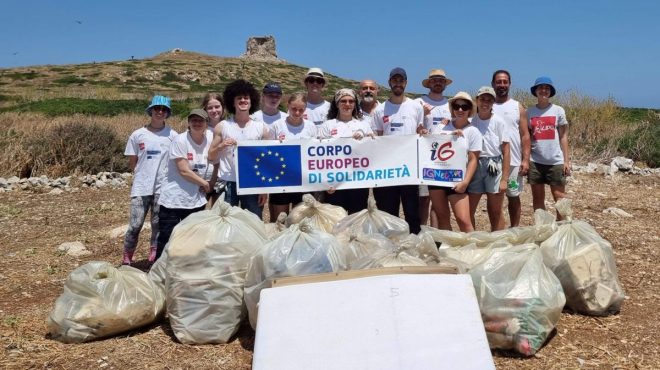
(274, 228)
(302, 249)
(584, 263)
(323, 216)
(519, 297)
(100, 300)
(421, 246)
(373, 221)
(363, 245)
(395, 258)
(207, 258)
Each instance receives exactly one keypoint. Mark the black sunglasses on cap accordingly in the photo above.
(463, 107)
(316, 80)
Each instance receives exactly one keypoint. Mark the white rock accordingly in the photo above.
(617, 212)
(99, 184)
(116, 183)
(74, 249)
(3, 182)
(121, 230)
(56, 191)
(13, 180)
(622, 163)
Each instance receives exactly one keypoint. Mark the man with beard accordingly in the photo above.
(317, 107)
(436, 112)
(515, 116)
(368, 92)
(270, 99)
(399, 115)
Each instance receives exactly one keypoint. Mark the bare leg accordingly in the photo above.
(558, 192)
(434, 219)
(440, 208)
(494, 204)
(514, 210)
(474, 204)
(460, 204)
(538, 196)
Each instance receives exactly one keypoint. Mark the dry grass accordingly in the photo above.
(19, 130)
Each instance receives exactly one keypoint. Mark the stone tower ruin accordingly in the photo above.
(261, 48)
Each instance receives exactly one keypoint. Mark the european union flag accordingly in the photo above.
(269, 166)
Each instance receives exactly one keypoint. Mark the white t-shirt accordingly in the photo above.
(317, 113)
(544, 126)
(370, 116)
(335, 128)
(471, 135)
(281, 130)
(494, 132)
(510, 112)
(151, 149)
(253, 130)
(268, 119)
(399, 119)
(178, 192)
(439, 112)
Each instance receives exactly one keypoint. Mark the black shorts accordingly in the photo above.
(283, 199)
(448, 190)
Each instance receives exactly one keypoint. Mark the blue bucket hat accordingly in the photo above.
(160, 100)
(543, 81)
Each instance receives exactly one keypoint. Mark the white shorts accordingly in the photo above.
(515, 184)
(423, 190)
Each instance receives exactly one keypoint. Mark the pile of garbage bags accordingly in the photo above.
(100, 300)
(217, 262)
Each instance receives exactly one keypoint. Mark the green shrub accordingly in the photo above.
(70, 80)
(76, 147)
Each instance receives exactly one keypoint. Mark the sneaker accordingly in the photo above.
(152, 253)
(128, 258)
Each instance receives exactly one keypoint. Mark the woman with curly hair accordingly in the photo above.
(242, 100)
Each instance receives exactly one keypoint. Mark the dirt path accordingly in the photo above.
(32, 273)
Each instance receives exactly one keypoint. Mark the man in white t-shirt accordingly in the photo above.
(515, 116)
(317, 107)
(436, 112)
(368, 91)
(550, 162)
(399, 115)
(271, 98)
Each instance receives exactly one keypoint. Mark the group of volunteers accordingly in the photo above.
(178, 174)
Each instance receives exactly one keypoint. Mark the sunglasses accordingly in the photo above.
(463, 107)
(315, 80)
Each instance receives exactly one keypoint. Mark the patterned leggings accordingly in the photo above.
(139, 208)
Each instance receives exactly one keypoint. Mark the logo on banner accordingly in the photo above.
(269, 166)
(441, 152)
(544, 128)
(435, 174)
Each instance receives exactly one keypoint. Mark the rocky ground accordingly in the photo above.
(33, 224)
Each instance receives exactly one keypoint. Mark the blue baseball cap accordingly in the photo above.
(543, 81)
(272, 88)
(399, 71)
(159, 100)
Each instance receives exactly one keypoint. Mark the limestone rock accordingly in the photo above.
(617, 212)
(74, 249)
(622, 163)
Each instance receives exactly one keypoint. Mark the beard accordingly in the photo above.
(368, 98)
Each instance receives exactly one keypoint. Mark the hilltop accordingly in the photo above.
(181, 74)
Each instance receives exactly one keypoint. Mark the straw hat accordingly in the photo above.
(436, 73)
(462, 95)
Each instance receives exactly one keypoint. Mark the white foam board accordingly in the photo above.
(381, 323)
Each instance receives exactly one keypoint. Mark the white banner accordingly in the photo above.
(270, 166)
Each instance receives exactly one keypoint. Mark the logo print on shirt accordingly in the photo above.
(386, 119)
(190, 156)
(141, 145)
(544, 128)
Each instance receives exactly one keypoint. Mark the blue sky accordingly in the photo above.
(601, 48)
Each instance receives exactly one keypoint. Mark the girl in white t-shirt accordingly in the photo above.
(462, 108)
(214, 106)
(345, 119)
(147, 150)
(493, 162)
(292, 127)
(184, 191)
